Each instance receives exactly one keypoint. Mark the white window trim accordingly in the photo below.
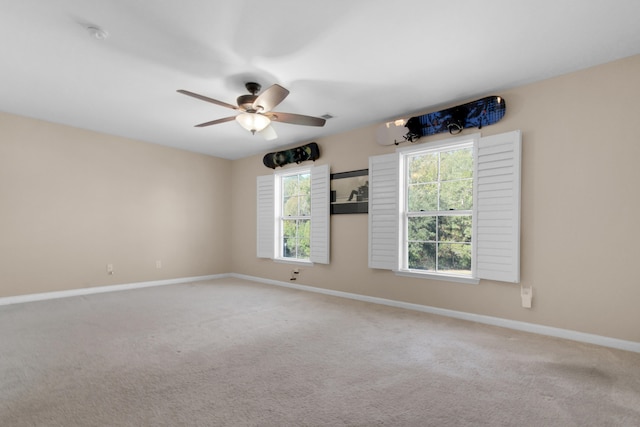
(438, 276)
(492, 259)
(439, 145)
(293, 261)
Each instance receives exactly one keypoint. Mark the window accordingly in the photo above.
(438, 210)
(448, 210)
(293, 215)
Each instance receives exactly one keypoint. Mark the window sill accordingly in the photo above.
(444, 277)
(293, 261)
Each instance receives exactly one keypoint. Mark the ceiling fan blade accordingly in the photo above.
(215, 122)
(296, 119)
(268, 133)
(207, 99)
(271, 97)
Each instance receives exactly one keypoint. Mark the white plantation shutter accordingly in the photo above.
(320, 196)
(384, 212)
(497, 207)
(266, 216)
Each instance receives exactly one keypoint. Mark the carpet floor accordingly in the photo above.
(230, 352)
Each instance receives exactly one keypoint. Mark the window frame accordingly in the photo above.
(280, 218)
(406, 153)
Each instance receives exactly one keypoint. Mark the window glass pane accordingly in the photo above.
(454, 258)
(305, 205)
(289, 241)
(422, 256)
(422, 229)
(290, 206)
(457, 164)
(454, 228)
(423, 168)
(289, 186)
(304, 241)
(296, 238)
(423, 197)
(304, 190)
(296, 195)
(456, 195)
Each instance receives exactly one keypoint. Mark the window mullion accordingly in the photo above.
(297, 240)
(437, 242)
(439, 187)
(441, 213)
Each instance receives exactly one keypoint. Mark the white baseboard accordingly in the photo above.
(495, 321)
(489, 320)
(101, 289)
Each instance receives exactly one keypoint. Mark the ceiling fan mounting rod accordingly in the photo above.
(253, 87)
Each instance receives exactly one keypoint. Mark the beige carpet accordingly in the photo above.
(235, 353)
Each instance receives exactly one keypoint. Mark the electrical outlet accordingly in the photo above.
(110, 269)
(158, 264)
(526, 293)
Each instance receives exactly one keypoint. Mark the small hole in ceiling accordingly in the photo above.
(97, 32)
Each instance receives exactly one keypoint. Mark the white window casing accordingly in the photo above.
(384, 211)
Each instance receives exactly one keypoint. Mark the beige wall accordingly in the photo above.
(580, 205)
(72, 201)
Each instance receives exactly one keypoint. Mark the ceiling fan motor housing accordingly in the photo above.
(245, 102)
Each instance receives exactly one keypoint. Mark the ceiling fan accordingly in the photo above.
(256, 114)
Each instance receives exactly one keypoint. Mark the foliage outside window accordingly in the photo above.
(438, 211)
(295, 219)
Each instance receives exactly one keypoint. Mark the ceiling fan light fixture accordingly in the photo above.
(253, 122)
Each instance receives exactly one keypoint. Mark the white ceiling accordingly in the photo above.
(362, 61)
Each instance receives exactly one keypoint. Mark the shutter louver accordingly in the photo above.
(384, 213)
(320, 214)
(497, 207)
(266, 220)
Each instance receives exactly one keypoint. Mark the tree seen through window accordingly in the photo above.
(438, 208)
(296, 216)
